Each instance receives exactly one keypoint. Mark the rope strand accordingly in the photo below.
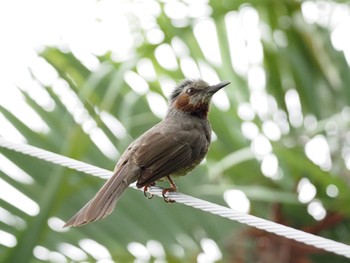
(263, 224)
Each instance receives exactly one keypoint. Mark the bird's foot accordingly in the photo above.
(145, 190)
(167, 199)
(173, 188)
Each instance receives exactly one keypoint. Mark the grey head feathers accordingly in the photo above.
(193, 83)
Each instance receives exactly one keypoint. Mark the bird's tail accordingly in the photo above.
(103, 203)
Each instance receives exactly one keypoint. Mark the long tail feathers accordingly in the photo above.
(103, 203)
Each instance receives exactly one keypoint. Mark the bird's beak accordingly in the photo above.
(213, 89)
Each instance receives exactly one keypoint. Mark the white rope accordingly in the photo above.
(278, 229)
(55, 158)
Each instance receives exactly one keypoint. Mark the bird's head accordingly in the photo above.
(193, 96)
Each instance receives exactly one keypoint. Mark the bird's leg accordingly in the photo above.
(173, 188)
(145, 190)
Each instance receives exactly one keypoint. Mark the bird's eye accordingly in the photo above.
(190, 91)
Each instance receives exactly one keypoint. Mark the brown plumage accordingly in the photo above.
(173, 147)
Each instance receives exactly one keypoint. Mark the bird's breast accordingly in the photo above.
(196, 133)
(186, 170)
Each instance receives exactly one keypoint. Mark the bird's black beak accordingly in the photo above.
(213, 89)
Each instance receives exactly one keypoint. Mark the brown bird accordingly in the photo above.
(173, 147)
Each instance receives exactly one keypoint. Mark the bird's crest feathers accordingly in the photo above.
(194, 83)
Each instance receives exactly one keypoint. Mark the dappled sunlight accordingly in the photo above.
(166, 57)
(316, 210)
(221, 100)
(7, 239)
(15, 172)
(236, 41)
(56, 224)
(249, 130)
(114, 125)
(42, 253)
(294, 108)
(72, 252)
(14, 197)
(256, 78)
(261, 146)
(146, 69)
(8, 130)
(180, 13)
(306, 191)
(271, 130)
(176, 10)
(152, 250)
(82, 117)
(136, 82)
(158, 104)
(281, 119)
(332, 191)
(180, 48)
(306, 195)
(21, 109)
(269, 167)
(280, 38)
(211, 252)
(10, 219)
(310, 123)
(208, 73)
(42, 72)
(260, 104)
(245, 111)
(334, 16)
(139, 251)
(237, 200)
(96, 250)
(155, 36)
(317, 150)
(102, 142)
(156, 250)
(189, 67)
(206, 35)
(167, 85)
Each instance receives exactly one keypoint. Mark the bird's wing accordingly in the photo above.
(165, 154)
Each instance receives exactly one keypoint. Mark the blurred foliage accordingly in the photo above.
(307, 63)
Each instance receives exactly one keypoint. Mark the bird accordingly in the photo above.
(171, 148)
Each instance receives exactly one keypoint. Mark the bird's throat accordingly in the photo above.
(199, 109)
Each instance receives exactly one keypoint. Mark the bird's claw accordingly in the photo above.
(167, 198)
(145, 191)
(148, 195)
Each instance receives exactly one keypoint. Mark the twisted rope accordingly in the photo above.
(272, 227)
